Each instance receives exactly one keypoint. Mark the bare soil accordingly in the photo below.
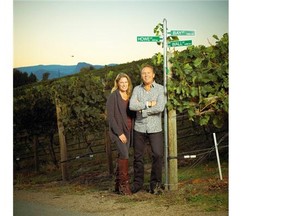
(92, 194)
(107, 203)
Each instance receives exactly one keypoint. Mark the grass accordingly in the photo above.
(202, 186)
(198, 185)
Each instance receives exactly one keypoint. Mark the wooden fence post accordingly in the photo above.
(172, 139)
(51, 149)
(62, 141)
(108, 151)
(35, 149)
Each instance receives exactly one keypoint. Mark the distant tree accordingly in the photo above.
(20, 78)
(45, 76)
(32, 78)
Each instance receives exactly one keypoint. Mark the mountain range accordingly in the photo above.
(56, 71)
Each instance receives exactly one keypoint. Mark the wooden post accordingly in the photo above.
(172, 140)
(51, 149)
(35, 149)
(108, 151)
(62, 141)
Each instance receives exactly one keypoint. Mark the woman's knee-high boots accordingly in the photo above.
(124, 186)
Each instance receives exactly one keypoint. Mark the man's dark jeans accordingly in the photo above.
(156, 142)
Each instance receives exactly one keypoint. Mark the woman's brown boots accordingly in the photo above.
(122, 177)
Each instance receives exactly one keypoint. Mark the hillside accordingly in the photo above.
(56, 70)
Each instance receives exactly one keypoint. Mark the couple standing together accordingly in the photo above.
(133, 118)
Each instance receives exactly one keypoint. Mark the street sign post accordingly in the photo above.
(180, 43)
(182, 33)
(148, 38)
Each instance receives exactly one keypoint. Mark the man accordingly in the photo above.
(149, 102)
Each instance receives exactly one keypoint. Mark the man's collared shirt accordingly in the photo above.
(148, 120)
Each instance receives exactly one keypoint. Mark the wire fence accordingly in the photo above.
(195, 146)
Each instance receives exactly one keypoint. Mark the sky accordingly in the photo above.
(104, 32)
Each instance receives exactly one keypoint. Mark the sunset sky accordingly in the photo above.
(103, 32)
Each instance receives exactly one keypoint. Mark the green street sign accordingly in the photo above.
(182, 33)
(148, 38)
(180, 43)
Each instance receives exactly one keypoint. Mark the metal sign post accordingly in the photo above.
(165, 71)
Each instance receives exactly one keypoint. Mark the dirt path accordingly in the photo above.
(102, 203)
(27, 208)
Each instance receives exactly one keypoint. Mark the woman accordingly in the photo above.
(121, 120)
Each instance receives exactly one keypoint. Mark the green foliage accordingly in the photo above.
(199, 82)
(82, 103)
(158, 30)
(33, 110)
